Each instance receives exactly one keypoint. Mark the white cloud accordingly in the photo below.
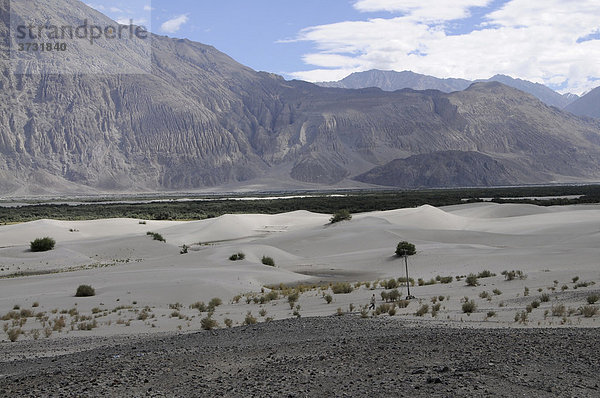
(535, 40)
(173, 25)
(148, 8)
(423, 10)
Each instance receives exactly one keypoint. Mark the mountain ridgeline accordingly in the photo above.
(202, 120)
(392, 81)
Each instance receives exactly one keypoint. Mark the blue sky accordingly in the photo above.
(554, 42)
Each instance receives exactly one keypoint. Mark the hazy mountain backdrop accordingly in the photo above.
(201, 119)
(392, 81)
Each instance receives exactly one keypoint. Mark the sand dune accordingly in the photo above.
(126, 266)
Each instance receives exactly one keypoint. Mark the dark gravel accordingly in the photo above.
(314, 357)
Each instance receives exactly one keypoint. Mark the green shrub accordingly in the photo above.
(402, 281)
(156, 236)
(342, 288)
(405, 248)
(422, 310)
(491, 314)
(328, 298)
(512, 275)
(214, 303)
(268, 261)
(237, 256)
(486, 274)
(402, 303)
(42, 244)
(484, 295)
(382, 309)
(394, 295)
(544, 298)
(497, 292)
(199, 305)
(341, 215)
(228, 322)
(592, 299)
(85, 291)
(472, 280)
(445, 279)
(391, 284)
(208, 323)
(535, 304)
(469, 307)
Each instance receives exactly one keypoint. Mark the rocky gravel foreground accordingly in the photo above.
(312, 357)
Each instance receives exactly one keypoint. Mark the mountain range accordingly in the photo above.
(392, 81)
(200, 120)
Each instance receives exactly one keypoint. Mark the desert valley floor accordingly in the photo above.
(531, 331)
(145, 285)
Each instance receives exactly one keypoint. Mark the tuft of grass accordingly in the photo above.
(497, 292)
(559, 310)
(522, 317)
(14, 333)
(250, 319)
(592, 299)
(545, 297)
(85, 291)
(228, 322)
(328, 298)
(589, 311)
(268, 261)
(491, 314)
(42, 244)
(484, 295)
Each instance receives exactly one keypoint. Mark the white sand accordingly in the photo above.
(126, 266)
